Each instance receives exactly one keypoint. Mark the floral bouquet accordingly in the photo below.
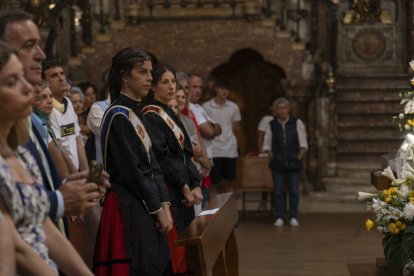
(394, 210)
(406, 117)
(394, 207)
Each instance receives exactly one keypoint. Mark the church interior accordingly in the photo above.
(342, 64)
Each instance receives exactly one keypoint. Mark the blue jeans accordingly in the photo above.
(279, 183)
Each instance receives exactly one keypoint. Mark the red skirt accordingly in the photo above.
(207, 182)
(178, 261)
(110, 257)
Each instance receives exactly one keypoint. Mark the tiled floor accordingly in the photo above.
(308, 205)
(331, 240)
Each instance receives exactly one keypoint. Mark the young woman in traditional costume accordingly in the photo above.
(135, 215)
(173, 150)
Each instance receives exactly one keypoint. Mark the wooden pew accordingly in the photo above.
(211, 247)
(255, 177)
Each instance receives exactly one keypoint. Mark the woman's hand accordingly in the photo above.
(197, 151)
(162, 221)
(198, 195)
(166, 209)
(189, 196)
(204, 172)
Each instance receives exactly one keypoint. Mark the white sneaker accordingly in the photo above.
(278, 223)
(294, 222)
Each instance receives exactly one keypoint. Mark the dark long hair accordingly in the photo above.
(122, 64)
(157, 71)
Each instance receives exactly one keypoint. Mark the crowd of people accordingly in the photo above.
(161, 161)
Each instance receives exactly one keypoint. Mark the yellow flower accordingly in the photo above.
(401, 226)
(388, 199)
(369, 224)
(411, 199)
(387, 192)
(393, 228)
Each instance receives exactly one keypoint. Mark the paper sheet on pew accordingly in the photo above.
(208, 212)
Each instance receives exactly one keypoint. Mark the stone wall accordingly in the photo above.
(197, 46)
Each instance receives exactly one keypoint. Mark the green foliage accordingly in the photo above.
(398, 250)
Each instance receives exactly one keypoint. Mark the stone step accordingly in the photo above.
(342, 189)
(366, 120)
(334, 197)
(369, 133)
(348, 185)
(366, 129)
(357, 165)
(392, 108)
(358, 157)
(365, 82)
(360, 170)
(361, 147)
(359, 95)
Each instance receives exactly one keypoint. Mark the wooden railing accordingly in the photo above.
(211, 247)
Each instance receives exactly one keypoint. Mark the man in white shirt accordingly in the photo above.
(63, 119)
(286, 144)
(208, 128)
(224, 147)
(94, 121)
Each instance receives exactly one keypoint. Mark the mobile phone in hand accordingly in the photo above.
(95, 170)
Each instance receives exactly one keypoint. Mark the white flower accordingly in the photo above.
(409, 211)
(401, 116)
(410, 154)
(378, 205)
(407, 171)
(393, 213)
(365, 196)
(409, 107)
(407, 127)
(403, 191)
(388, 173)
(411, 65)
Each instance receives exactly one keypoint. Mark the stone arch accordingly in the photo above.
(254, 83)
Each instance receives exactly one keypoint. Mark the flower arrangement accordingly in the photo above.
(406, 117)
(394, 210)
(394, 207)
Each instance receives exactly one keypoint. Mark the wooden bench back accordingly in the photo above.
(256, 175)
(207, 237)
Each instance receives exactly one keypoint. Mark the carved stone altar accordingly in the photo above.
(371, 41)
